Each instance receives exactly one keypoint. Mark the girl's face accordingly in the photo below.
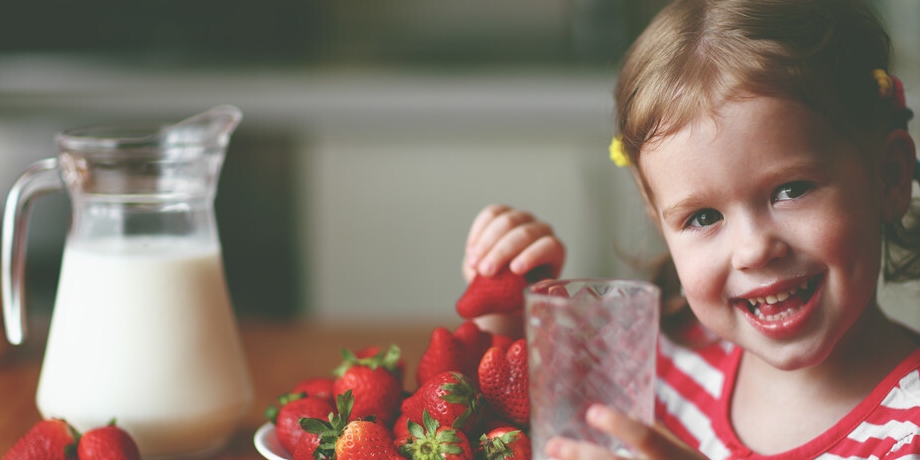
(774, 224)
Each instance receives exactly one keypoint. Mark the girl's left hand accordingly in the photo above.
(653, 443)
(502, 236)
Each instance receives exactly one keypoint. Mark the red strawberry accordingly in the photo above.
(434, 441)
(500, 293)
(501, 341)
(451, 399)
(51, 439)
(505, 442)
(374, 350)
(316, 387)
(504, 380)
(365, 439)
(306, 448)
(401, 430)
(458, 351)
(345, 438)
(475, 341)
(107, 443)
(295, 406)
(376, 388)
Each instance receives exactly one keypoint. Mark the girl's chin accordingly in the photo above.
(789, 359)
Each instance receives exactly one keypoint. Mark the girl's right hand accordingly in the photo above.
(651, 442)
(501, 235)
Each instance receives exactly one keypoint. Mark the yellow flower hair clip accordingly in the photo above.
(618, 154)
(885, 85)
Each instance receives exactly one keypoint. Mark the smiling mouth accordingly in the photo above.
(781, 305)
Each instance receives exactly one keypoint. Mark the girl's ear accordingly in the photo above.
(897, 173)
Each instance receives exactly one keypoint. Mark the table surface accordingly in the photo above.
(279, 352)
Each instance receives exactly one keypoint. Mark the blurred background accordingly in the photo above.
(373, 132)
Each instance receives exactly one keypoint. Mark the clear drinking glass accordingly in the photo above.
(590, 341)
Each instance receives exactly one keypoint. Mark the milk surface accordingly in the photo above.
(146, 336)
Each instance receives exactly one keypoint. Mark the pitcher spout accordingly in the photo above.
(210, 128)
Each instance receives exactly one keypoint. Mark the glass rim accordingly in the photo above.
(531, 291)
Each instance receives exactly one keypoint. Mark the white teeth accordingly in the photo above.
(778, 297)
(776, 317)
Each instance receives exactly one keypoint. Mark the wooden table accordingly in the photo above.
(280, 353)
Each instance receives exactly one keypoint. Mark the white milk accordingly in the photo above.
(148, 337)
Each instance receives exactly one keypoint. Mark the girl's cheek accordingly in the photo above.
(702, 281)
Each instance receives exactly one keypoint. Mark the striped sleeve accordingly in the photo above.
(890, 431)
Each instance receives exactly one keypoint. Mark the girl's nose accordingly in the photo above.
(755, 244)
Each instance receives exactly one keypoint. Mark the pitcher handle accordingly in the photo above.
(39, 178)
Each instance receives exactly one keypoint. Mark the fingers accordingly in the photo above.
(653, 443)
(514, 246)
(545, 251)
(489, 228)
(570, 449)
(502, 236)
(482, 220)
(476, 245)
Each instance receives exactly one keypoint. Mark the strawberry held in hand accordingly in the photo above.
(504, 381)
(51, 439)
(373, 381)
(500, 293)
(359, 439)
(107, 443)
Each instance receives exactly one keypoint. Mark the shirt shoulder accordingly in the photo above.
(889, 427)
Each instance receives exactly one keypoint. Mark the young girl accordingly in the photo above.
(770, 147)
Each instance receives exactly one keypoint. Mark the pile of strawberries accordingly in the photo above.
(55, 439)
(471, 399)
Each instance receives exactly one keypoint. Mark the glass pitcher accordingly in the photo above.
(142, 329)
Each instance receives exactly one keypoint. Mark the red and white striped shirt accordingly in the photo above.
(693, 394)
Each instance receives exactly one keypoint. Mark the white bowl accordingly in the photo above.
(266, 441)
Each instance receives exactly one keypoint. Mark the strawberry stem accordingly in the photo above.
(330, 431)
(430, 442)
(387, 358)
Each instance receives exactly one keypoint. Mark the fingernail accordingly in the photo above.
(594, 413)
(486, 269)
(552, 448)
(516, 266)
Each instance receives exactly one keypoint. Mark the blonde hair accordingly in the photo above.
(697, 54)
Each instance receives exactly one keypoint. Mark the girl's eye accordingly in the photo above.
(792, 190)
(704, 218)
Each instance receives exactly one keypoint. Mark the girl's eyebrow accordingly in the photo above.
(677, 208)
